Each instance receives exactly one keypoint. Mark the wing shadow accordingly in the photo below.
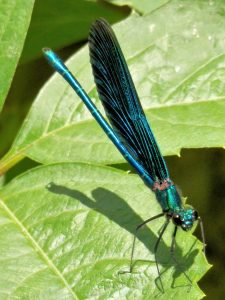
(117, 210)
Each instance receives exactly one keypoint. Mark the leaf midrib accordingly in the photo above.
(36, 246)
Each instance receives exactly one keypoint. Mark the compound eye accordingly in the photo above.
(177, 220)
(195, 214)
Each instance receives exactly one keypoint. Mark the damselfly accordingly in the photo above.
(129, 131)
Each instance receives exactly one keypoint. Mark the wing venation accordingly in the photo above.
(120, 100)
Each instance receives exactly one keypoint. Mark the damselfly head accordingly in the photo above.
(185, 218)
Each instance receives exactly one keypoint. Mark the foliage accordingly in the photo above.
(67, 226)
(14, 19)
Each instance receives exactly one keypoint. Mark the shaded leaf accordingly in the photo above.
(63, 23)
(143, 6)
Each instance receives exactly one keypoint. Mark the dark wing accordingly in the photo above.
(120, 100)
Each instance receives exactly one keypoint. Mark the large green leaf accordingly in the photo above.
(178, 71)
(66, 233)
(14, 21)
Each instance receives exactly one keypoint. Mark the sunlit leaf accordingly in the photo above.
(14, 21)
(67, 230)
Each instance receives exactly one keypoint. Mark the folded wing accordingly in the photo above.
(120, 100)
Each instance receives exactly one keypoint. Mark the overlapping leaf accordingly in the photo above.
(178, 71)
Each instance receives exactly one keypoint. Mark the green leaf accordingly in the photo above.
(67, 230)
(14, 19)
(53, 23)
(62, 23)
(143, 6)
(178, 72)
